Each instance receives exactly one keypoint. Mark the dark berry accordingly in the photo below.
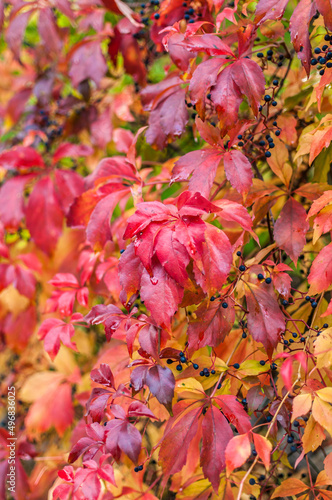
(322, 60)
(252, 481)
(286, 342)
(269, 58)
(261, 143)
(302, 339)
(244, 335)
(269, 418)
(329, 64)
(313, 62)
(201, 373)
(279, 64)
(241, 143)
(317, 50)
(327, 38)
(208, 96)
(207, 374)
(290, 439)
(269, 52)
(296, 423)
(169, 361)
(212, 298)
(262, 362)
(122, 250)
(254, 452)
(325, 47)
(293, 447)
(267, 98)
(136, 469)
(322, 71)
(268, 280)
(242, 268)
(181, 353)
(179, 368)
(261, 477)
(312, 300)
(314, 304)
(213, 372)
(191, 21)
(291, 341)
(275, 82)
(285, 302)
(269, 138)
(239, 253)
(260, 54)
(187, 17)
(219, 385)
(183, 359)
(267, 154)
(294, 335)
(244, 401)
(141, 12)
(236, 366)
(157, 16)
(325, 325)
(271, 145)
(274, 366)
(224, 305)
(260, 276)
(275, 124)
(274, 103)
(260, 108)
(277, 132)
(307, 298)
(205, 370)
(195, 366)
(239, 137)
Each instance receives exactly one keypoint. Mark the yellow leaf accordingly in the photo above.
(252, 367)
(189, 388)
(325, 394)
(301, 405)
(322, 412)
(39, 384)
(323, 349)
(313, 435)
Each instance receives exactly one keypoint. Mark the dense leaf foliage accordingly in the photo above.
(166, 255)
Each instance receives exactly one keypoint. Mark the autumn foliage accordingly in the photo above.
(166, 254)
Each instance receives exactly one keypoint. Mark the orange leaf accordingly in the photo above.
(301, 405)
(263, 448)
(237, 452)
(290, 487)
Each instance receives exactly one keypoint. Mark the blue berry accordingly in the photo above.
(252, 481)
(254, 452)
(296, 423)
(274, 103)
(286, 342)
(268, 280)
(169, 361)
(325, 325)
(122, 250)
(277, 132)
(302, 339)
(267, 154)
(242, 268)
(314, 304)
(224, 305)
(322, 71)
(212, 298)
(239, 137)
(267, 98)
(275, 124)
(195, 366)
(179, 368)
(269, 138)
(260, 276)
(307, 298)
(219, 385)
(236, 366)
(136, 469)
(271, 145)
(183, 359)
(274, 366)
(262, 362)
(261, 143)
(275, 82)
(260, 54)
(201, 373)
(294, 335)
(187, 17)
(290, 439)
(313, 62)
(213, 372)
(240, 143)
(293, 447)
(269, 418)
(157, 16)
(285, 302)
(317, 50)
(244, 335)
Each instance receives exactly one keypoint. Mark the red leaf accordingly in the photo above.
(320, 277)
(69, 185)
(265, 319)
(299, 30)
(130, 271)
(270, 9)
(161, 383)
(324, 7)
(202, 164)
(216, 260)
(161, 295)
(138, 409)
(69, 150)
(172, 255)
(125, 437)
(48, 31)
(87, 61)
(235, 413)
(210, 326)
(237, 452)
(209, 43)
(52, 331)
(103, 375)
(44, 217)
(64, 280)
(20, 157)
(16, 30)
(12, 201)
(249, 78)
(226, 97)
(216, 435)
(238, 171)
(291, 228)
(204, 77)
